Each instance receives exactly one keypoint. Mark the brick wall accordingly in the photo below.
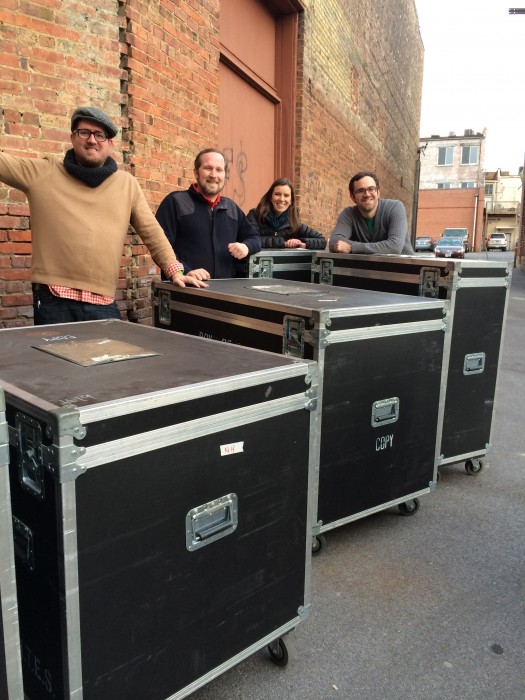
(170, 62)
(360, 97)
(154, 67)
(53, 56)
(440, 209)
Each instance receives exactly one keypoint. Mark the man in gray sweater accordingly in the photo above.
(374, 226)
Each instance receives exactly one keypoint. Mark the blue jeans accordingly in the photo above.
(48, 308)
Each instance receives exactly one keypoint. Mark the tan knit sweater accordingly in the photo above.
(77, 231)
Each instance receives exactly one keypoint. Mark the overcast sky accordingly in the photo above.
(474, 74)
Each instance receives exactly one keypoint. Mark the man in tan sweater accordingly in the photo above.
(81, 209)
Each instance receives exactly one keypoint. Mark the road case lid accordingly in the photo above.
(291, 297)
(70, 364)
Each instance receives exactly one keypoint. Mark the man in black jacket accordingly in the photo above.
(208, 232)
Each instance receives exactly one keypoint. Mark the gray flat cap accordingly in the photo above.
(95, 115)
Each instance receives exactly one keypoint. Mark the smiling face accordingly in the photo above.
(90, 152)
(211, 174)
(281, 198)
(366, 195)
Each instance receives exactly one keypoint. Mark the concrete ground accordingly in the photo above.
(429, 607)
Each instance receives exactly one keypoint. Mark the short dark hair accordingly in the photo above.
(359, 176)
(198, 157)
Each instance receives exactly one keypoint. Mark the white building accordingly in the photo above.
(449, 162)
(503, 193)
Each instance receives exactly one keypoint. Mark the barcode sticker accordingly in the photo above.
(232, 449)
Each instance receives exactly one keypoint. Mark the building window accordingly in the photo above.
(489, 190)
(469, 155)
(446, 155)
(443, 185)
(468, 185)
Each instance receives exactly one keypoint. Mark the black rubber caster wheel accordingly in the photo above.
(278, 652)
(409, 507)
(318, 543)
(473, 466)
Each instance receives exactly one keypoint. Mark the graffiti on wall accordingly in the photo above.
(236, 166)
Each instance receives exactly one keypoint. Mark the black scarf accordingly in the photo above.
(277, 220)
(92, 177)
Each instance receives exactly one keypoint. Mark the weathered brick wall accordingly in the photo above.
(360, 97)
(170, 58)
(154, 67)
(440, 209)
(53, 56)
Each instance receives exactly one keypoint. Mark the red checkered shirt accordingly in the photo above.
(91, 298)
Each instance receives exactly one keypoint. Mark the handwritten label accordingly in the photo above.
(232, 449)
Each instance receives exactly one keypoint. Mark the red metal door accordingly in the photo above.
(258, 56)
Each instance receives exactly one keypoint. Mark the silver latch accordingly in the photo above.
(428, 282)
(29, 445)
(293, 336)
(326, 274)
(164, 307)
(265, 267)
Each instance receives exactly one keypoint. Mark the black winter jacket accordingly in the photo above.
(199, 235)
(276, 239)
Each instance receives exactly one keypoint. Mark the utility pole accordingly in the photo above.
(520, 250)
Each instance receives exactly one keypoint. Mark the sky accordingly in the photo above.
(474, 74)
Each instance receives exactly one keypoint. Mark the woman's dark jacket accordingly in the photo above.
(271, 238)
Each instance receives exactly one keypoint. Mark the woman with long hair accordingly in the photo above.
(278, 223)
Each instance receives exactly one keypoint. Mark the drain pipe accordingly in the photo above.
(474, 227)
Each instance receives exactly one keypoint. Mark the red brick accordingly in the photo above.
(16, 299)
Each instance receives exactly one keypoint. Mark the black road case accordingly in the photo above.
(289, 264)
(10, 664)
(162, 535)
(380, 373)
(476, 292)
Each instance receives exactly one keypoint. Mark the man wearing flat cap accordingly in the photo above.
(81, 208)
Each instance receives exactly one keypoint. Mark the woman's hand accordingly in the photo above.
(294, 243)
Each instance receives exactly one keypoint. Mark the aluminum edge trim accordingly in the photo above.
(168, 397)
(71, 620)
(9, 605)
(369, 511)
(386, 331)
(115, 450)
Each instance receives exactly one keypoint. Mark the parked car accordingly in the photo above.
(497, 241)
(424, 243)
(448, 247)
(458, 233)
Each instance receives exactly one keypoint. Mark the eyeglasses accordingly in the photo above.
(363, 190)
(84, 134)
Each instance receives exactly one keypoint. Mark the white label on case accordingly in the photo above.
(232, 449)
